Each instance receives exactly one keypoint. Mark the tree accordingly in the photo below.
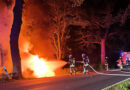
(1, 55)
(63, 15)
(14, 37)
(99, 30)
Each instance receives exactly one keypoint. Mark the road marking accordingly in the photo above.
(125, 72)
(115, 70)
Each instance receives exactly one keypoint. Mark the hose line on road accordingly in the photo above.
(108, 74)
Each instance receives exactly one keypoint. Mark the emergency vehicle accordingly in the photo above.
(124, 60)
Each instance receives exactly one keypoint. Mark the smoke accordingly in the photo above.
(36, 29)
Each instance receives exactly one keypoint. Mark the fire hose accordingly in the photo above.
(107, 74)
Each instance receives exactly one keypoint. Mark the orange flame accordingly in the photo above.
(33, 66)
(39, 66)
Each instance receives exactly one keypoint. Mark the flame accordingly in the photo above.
(39, 66)
(33, 66)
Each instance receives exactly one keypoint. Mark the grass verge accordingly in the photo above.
(125, 85)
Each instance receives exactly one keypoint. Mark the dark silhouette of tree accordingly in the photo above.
(1, 55)
(99, 29)
(14, 37)
(63, 14)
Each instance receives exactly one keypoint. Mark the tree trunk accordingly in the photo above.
(59, 47)
(14, 37)
(103, 51)
(1, 56)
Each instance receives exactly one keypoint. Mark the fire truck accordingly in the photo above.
(124, 61)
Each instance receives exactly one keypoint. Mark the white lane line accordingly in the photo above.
(125, 72)
(115, 70)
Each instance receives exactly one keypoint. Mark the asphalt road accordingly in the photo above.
(78, 82)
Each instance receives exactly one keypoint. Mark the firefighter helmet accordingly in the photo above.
(83, 55)
(70, 56)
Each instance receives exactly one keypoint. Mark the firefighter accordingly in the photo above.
(72, 64)
(127, 61)
(106, 63)
(121, 65)
(85, 63)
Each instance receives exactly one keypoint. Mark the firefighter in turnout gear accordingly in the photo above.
(72, 64)
(106, 63)
(85, 63)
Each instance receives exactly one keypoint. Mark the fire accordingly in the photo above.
(33, 66)
(41, 68)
